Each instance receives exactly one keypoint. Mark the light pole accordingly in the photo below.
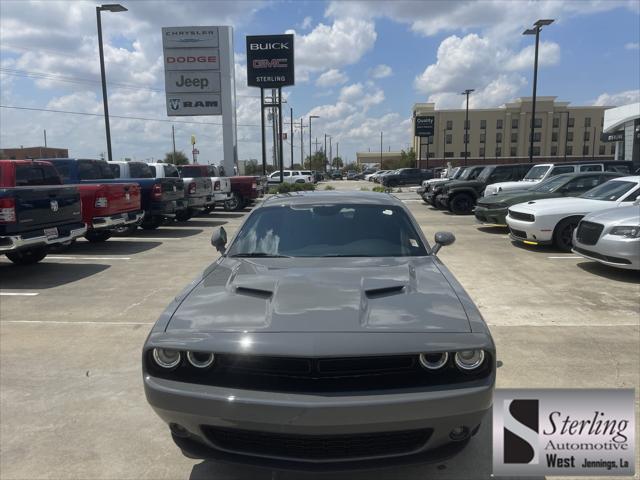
(380, 149)
(310, 117)
(291, 132)
(537, 26)
(112, 7)
(466, 124)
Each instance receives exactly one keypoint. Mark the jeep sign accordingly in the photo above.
(270, 61)
(189, 81)
(424, 126)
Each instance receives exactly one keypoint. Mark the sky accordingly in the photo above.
(360, 66)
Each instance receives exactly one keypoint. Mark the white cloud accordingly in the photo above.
(617, 99)
(331, 78)
(306, 23)
(381, 71)
(548, 54)
(632, 46)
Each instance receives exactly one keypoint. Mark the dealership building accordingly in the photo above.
(622, 128)
(33, 153)
(502, 135)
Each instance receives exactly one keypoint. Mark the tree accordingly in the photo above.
(337, 162)
(352, 166)
(407, 160)
(251, 168)
(180, 158)
(317, 162)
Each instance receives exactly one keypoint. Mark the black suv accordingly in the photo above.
(460, 196)
(406, 176)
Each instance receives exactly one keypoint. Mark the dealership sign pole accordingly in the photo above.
(200, 79)
(270, 64)
(423, 128)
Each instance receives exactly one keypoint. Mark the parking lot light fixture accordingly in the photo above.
(537, 26)
(111, 7)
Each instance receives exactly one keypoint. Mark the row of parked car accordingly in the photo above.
(51, 202)
(573, 206)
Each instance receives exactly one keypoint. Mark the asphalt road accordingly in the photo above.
(72, 328)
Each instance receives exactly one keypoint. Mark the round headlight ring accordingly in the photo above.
(425, 362)
(474, 361)
(166, 357)
(196, 359)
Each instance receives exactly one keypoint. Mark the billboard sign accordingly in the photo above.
(188, 81)
(424, 126)
(192, 104)
(270, 61)
(191, 59)
(186, 37)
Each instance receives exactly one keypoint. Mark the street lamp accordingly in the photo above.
(310, 117)
(466, 124)
(537, 26)
(112, 7)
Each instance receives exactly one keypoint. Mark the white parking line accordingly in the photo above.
(565, 256)
(582, 325)
(143, 239)
(61, 257)
(18, 294)
(65, 322)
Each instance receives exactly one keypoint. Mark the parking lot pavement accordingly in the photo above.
(72, 328)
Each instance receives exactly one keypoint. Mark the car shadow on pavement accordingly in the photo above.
(164, 232)
(612, 273)
(474, 462)
(111, 247)
(47, 274)
(201, 222)
(541, 249)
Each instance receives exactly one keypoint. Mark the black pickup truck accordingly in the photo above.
(36, 210)
(406, 176)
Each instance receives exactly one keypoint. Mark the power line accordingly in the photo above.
(125, 117)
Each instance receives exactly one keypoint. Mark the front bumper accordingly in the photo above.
(36, 238)
(532, 233)
(493, 216)
(612, 250)
(196, 407)
(126, 218)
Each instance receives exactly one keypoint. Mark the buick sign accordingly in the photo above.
(424, 126)
(270, 61)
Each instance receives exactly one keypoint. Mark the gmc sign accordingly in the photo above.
(270, 61)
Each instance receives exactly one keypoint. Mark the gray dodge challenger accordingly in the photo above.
(328, 333)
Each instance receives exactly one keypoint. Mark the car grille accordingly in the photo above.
(605, 258)
(525, 217)
(322, 375)
(588, 232)
(518, 233)
(318, 447)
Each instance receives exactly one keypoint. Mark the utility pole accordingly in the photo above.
(466, 125)
(326, 159)
(173, 137)
(330, 150)
(301, 142)
(337, 149)
(291, 131)
(593, 147)
(45, 140)
(380, 149)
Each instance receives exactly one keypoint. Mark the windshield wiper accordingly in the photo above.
(259, 254)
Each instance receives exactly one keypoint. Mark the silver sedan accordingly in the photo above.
(611, 237)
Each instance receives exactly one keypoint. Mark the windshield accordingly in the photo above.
(550, 184)
(348, 230)
(484, 174)
(609, 191)
(456, 172)
(536, 173)
(470, 173)
(140, 170)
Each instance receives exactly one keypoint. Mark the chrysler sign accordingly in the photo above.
(424, 126)
(270, 61)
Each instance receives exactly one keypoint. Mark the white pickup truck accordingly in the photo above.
(198, 192)
(290, 176)
(221, 184)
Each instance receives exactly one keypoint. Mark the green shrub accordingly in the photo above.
(381, 189)
(364, 189)
(329, 187)
(291, 187)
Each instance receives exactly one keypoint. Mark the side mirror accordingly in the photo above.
(442, 240)
(219, 239)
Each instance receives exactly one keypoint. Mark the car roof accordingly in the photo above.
(631, 178)
(332, 197)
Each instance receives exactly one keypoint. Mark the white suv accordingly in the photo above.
(290, 176)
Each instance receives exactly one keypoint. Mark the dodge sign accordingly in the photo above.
(270, 61)
(424, 126)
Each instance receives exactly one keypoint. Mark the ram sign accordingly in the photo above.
(424, 126)
(270, 61)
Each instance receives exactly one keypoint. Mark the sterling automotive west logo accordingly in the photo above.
(563, 432)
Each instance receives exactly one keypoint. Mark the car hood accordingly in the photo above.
(616, 216)
(514, 197)
(563, 206)
(399, 294)
(463, 183)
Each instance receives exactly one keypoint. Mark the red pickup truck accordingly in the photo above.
(244, 190)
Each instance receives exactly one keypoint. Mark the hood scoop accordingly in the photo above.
(254, 292)
(384, 292)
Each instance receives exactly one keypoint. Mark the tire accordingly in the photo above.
(184, 215)
(28, 256)
(563, 233)
(234, 203)
(462, 203)
(391, 184)
(97, 236)
(151, 223)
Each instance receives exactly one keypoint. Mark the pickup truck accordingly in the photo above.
(221, 183)
(106, 207)
(162, 198)
(198, 191)
(244, 190)
(36, 211)
(406, 176)
(290, 176)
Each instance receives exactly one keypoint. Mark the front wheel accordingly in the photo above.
(97, 236)
(461, 203)
(234, 203)
(563, 234)
(28, 256)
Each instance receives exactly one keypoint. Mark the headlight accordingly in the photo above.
(624, 231)
(166, 358)
(469, 359)
(200, 359)
(434, 361)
